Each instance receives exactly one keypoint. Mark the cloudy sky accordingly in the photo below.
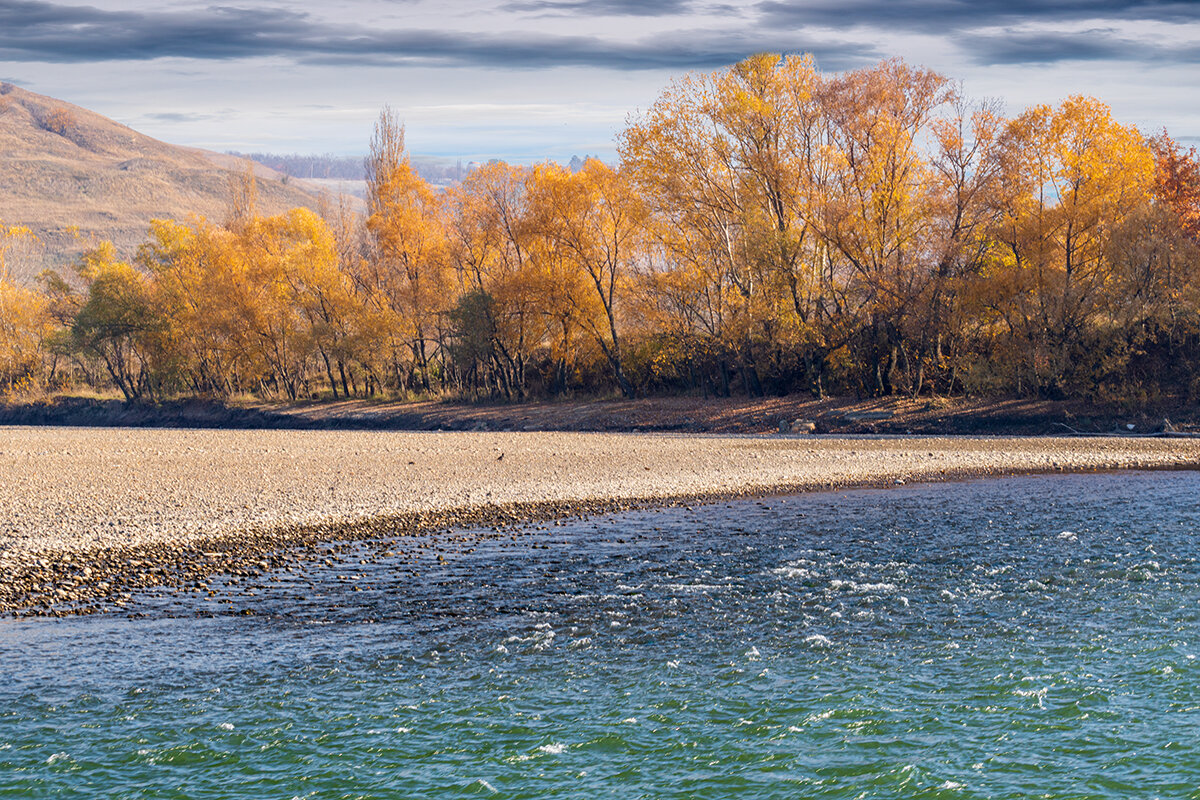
(535, 79)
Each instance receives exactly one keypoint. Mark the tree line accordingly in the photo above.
(769, 229)
(438, 171)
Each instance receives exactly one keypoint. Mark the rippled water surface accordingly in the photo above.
(1010, 638)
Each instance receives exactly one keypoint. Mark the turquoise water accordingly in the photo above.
(1028, 637)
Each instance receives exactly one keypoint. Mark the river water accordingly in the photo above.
(1006, 638)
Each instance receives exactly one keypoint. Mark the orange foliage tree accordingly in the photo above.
(769, 228)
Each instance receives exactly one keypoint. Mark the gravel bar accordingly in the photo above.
(91, 514)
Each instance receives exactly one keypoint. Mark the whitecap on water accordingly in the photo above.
(540, 637)
(817, 640)
(552, 749)
(696, 587)
(226, 726)
(796, 572)
(869, 588)
(1040, 694)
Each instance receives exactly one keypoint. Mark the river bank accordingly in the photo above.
(92, 514)
(937, 416)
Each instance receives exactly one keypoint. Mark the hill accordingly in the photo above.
(65, 168)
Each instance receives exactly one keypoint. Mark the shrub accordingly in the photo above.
(60, 121)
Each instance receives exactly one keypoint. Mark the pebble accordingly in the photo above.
(92, 516)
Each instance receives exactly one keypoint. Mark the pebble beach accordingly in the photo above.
(90, 514)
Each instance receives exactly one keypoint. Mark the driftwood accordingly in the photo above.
(1171, 434)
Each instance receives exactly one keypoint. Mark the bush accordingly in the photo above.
(60, 121)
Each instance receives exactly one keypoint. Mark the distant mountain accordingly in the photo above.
(63, 167)
(351, 170)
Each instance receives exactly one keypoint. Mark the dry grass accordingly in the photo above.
(75, 177)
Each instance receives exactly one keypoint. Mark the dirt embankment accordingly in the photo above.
(797, 414)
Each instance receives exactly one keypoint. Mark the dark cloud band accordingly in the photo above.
(34, 30)
(602, 8)
(947, 16)
(1023, 47)
(47, 31)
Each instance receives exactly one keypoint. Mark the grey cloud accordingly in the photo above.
(680, 51)
(1017, 47)
(175, 116)
(945, 16)
(602, 8)
(35, 30)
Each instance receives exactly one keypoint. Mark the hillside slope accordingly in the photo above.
(63, 167)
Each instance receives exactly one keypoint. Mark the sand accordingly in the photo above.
(72, 494)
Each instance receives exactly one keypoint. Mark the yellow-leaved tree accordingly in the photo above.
(409, 267)
(597, 223)
(25, 324)
(1072, 177)
(731, 166)
(500, 317)
(121, 324)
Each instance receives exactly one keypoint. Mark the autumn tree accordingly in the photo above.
(26, 323)
(201, 282)
(496, 244)
(263, 308)
(1152, 301)
(1073, 176)
(769, 229)
(405, 220)
(878, 208)
(965, 174)
(727, 162)
(598, 221)
(1177, 182)
(121, 325)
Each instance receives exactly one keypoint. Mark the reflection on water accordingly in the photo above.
(1010, 638)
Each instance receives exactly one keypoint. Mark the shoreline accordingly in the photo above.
(177, 507)
(1001, 416)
